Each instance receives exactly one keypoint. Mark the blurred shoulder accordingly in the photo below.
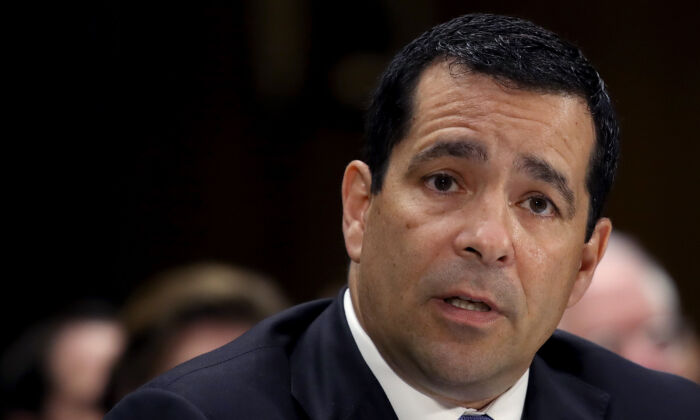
(628, 384)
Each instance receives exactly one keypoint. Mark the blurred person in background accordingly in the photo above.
(187, 311)
(632, 308)
(58, 369)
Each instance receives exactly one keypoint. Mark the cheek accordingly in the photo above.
(385, 243)
(402, 244)
(547, 271)
(411, 225)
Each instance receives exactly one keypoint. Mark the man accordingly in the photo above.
(473, 222)
(633, 309)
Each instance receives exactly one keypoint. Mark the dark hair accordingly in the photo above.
(515, 52)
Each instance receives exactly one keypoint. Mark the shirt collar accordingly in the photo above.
(408, 403)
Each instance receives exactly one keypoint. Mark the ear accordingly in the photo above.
(357, 195)
(591, 255)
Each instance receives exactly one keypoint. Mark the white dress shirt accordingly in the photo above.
(408, 403)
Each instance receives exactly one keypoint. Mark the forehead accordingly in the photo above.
(453, 103)
(446, 88)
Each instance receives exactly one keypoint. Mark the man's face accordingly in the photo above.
(466, 259)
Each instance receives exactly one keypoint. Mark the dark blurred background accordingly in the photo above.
(152, 134)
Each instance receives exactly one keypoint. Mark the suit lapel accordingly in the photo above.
(329, 377)
(553, 395)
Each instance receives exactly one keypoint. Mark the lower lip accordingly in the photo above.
(465, 316)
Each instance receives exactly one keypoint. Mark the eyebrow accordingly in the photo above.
(541, 170)
(461, 149)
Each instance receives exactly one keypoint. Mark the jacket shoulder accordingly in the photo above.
(631, 388)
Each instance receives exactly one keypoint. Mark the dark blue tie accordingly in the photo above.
(476, 417)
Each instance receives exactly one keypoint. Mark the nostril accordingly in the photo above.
(470, 249)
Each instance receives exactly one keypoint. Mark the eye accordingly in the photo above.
(441, 182)
(540, 206)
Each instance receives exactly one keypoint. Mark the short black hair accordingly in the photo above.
(515, 52)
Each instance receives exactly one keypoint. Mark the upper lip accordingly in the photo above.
(472, 296)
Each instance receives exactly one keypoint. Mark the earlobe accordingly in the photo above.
(591, 255)
(356, 192)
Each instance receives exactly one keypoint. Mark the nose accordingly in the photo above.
(486, 234)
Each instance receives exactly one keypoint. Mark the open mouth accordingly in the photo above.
(468, 304)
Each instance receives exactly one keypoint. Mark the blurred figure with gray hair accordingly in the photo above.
(632, 308)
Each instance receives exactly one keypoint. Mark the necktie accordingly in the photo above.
(476, 417)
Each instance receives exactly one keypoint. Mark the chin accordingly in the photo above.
(474, 376)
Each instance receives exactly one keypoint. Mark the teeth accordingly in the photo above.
(468, 304)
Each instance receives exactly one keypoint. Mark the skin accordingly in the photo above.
(485, 198)
(79, 366)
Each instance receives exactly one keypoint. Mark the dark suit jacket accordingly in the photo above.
(303, 363)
